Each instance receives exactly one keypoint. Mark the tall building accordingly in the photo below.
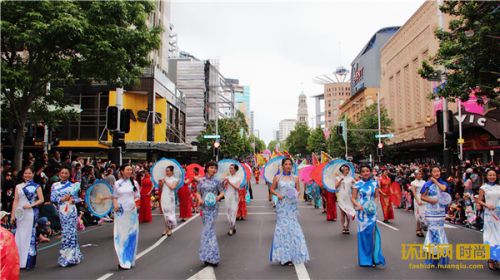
(302, 115)
(335, 95)
(285, 127)
(405, 95)
(241, 99)
(365, 75)
(276, 135)
(319, 110)
(251, 124)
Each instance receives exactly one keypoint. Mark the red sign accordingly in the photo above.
(358, 75)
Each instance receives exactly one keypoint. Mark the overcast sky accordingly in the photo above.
(278, 47)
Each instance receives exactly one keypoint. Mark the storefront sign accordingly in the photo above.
(472, 120)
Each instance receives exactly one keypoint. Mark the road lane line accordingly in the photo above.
(150, 248)
(389, 226)
(301, 271)
(81, 233)
(208, 273)
(449, 226)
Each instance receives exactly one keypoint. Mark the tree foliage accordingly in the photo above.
(316, 143)
(296, 142)
(468, 54)
(63, 41)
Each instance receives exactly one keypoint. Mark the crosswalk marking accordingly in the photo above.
(208, 273)
(301, 271)
(389, 226)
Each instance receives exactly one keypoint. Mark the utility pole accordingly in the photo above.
(116, 153)
(345, 127)
(379, 127)
(217, 146)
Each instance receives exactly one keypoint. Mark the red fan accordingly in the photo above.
(317, 173)
(190, 170)
(395, 194)
(248, 171)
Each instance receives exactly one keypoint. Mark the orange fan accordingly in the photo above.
(317, 173)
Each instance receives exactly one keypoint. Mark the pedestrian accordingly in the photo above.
(435, 215)
(242, 203)
(256, 174)
(208, 188)
(289, 244)
(65, 194)
(193, 182)
(231, 186)
(28, 195)
(167, 186)
(126, 222)
(145, 215)
(419, 205)
(344, 186)
(489, 199)
(185, 201)
(385, 196)
(7, 191)
(364, 194)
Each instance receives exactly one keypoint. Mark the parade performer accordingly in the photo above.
(418, 204)
(385, 196)
(344, 186)
(364, 194)
(232, 184)
(489, 198)
(331, 206)
(193, 182)
(145, 212)
(208, 187)
(167, 186)
(289, 245)
(242, 203)
(65, 194)
(126, 222)
(28, 195)
(9, 257)
(185, 201)
(256, 174)
(435, 214)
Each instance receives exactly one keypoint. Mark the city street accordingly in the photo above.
(246, 254)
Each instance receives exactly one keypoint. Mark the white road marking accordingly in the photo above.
(389, 226)
(208, 273)
(150, 248)
(449, 226)
(301, 271)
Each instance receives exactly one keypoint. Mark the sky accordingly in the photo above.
(278, 47)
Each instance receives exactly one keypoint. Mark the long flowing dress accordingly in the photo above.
(331, 206)
(231, 201)
(185, 202)
(289, 243)
(209, 248)
(145, 212)
(26, 226)
(9, 257)
(168, 202)
(491, 233)
(369, 240)
(69, 253)
(126, 224)
(419, 210)
(344, 192)
(385, 200)
(435, 215)
(242, 204)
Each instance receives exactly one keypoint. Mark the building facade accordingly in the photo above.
(319, 109)
(302, 114)
(335, 95)
(365, 74)
(285, 127)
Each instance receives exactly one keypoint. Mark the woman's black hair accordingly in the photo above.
(434, 166)
(122, 168)
(365, 166)
(210, 163)
(170, 167)
(486, 175)
(64, 167)
(236, 167)
(285, 160)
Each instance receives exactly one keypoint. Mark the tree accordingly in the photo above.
(259, 144)
(468, 52)
(272, 144)
(316, 142)
(296, 142)
(365, 142)
(59, 42)
(336, 144)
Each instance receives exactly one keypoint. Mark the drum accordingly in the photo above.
(98, 198)
(210, 200)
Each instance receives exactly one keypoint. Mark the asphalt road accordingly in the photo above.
(246, 254)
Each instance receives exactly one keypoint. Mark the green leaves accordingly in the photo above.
(296, 142)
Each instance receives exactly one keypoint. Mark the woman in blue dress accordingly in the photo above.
(65, 194)
(435, 215)
(364, 194)
(27, 196)
(289, 245)
(209, 186)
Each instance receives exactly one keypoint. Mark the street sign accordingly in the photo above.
(389, 135)
(213, 136)
(461, 140)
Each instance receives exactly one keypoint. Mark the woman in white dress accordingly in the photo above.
(344, 191)
(168, 186)
(232, 184)
(418, 204)
(489, 199)
(126, 222)
(27, 196)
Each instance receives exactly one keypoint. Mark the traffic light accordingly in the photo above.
(451, 140)
(119, 139)
(112, 118)
(439, 121)
(339, 130)
(125, 120)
